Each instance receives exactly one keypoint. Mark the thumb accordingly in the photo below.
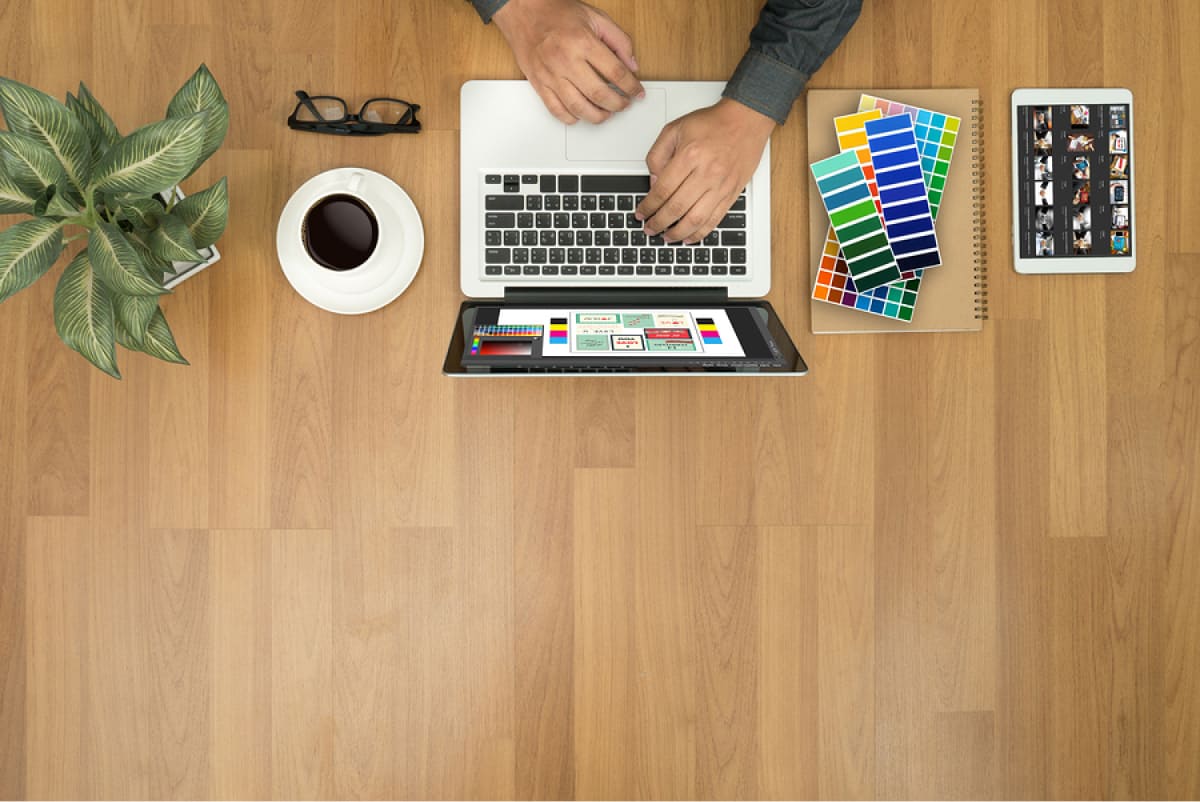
(662, 150)
(616, 39)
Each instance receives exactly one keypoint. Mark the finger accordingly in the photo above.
(675, 207)
(694, 220)
(714, 219)
(615, 72)
(552, 103)
(662, 150)
(597, 90)
(661, 190)
(578, 105)
(618, 42)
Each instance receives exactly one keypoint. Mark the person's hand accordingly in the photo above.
(571, 52)
(699, 164)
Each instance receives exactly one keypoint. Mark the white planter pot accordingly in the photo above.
(182, 271)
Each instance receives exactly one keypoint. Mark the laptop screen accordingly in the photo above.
(523, 338)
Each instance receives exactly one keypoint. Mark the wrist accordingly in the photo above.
(746, 119)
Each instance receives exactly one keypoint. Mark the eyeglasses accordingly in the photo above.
(325, 114)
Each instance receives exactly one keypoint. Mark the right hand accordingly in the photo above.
(571, 52)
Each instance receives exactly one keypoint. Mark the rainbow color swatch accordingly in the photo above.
(558, 331)
(843, 187)
(708, 331)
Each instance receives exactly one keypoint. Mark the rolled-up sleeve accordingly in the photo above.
(789, 43)
(487, 8)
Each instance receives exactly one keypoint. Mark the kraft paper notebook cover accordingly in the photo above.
(953, 296)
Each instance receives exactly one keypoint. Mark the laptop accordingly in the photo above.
(559, 275)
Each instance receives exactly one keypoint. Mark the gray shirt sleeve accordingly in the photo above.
(789, 43)
(487, 8)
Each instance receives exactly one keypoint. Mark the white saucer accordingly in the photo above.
(386, 273)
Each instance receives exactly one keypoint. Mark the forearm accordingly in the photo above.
(790, 42)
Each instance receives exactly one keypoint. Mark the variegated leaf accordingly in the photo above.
(201, 93)
(84, 317)
(37, 115)
(159, 342)
(29, 163)
(13, 199)
(117, 264)
(172, 241)
(27, 250)
(205, 213)
(153, 158)
(135, 312)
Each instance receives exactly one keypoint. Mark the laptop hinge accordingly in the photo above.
(649, 296)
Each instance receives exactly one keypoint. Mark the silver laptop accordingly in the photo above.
(548, 223)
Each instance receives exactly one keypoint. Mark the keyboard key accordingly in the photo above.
(683, 256)
(608, 203)
(547, 238)
(529, 179)
(574, 254)
(719, 270)
(550, 270)
(701, 256)
(713, 238)
(662, 270)
(737, 256)
(511, 237)
(530, 270)
(525, 220)
(637, 238)
(738, 270)
(666, 256)
(570, 202)
(657, 239)
(733, 237)
(629, 256)
(583, 238)
(558, 256)
(570, 270)
(625, 270)
(631, 221)
(607, 270)
(579, 220)
(491, 178)
(739, 205)
(492, 270)
(493, 256)
(732, 221)
(533, 203)
(616, 220)
(620, 238)
(514, 188)
(552, 203)
(645, 270)
(529, 237)
(568, 183)
(492, 237)
(544, 219)
(625, 203)
(612, 256)
(616, 183)
(596, 220)
(512, 270)
(566, 238)
(512, 179)
(588, 203)
(682, 270)
(547, 184)
(591, 255)
(700, 270)
(602, 238)
(646, 256)
(587, 270)
(499, 220)
(520, 255)
(537, 256)
(720, 255)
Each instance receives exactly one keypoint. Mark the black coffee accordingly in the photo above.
(340, 232)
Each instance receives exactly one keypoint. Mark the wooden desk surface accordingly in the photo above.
(310, 566)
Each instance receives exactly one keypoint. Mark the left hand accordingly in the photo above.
(699, 165)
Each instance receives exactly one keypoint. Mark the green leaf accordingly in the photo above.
(172, 241)
(158, 342)
(205, 213)
(141, 212)
(37, 115)
(155, 266)
(29, 163)
(153, 158)
(117, 264)
(134, 313)
(61, 205)
(201, 93)
(83, 315)
(108, 128)
(13, 199)
(27, 250)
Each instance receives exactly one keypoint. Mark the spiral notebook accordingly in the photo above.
(951, 297)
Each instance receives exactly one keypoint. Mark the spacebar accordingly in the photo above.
(616, 183)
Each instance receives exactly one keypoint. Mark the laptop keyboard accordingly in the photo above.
(539, 225)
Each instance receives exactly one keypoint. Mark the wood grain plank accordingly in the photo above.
(56, 629)
(846, 668)
(789, 699)
(966, 755)
(544, 593)
(607, 421)
(725, 599)
(240, 616)
(302, 699)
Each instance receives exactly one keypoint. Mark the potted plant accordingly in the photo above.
(70, 169)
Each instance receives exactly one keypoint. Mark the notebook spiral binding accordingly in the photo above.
(979, 237)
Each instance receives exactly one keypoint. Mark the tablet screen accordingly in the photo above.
(1073, 181)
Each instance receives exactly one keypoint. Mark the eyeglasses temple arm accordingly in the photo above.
(308, 104)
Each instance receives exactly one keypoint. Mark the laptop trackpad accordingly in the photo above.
(626, 136)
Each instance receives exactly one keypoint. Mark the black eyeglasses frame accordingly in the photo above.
(352, 124)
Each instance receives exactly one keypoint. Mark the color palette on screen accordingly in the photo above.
(708, 331)
(508, 331)
(843, 187)
(558, 331)
(902, 193)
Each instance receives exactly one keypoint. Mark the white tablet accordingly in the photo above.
(1072, 157)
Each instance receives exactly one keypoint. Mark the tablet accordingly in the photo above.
(1073, 198)
(500, 338)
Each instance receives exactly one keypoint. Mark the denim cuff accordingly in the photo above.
(487, 8)
(766, 85)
